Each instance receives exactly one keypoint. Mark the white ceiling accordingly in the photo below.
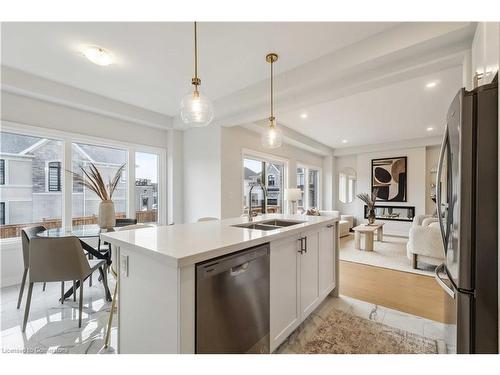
(395, 112)
(154, 61)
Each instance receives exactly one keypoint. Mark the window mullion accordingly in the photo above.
(131, 209)
(67, 188)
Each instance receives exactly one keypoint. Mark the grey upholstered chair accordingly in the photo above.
(114, 272)
(26, 235)
(59, 259)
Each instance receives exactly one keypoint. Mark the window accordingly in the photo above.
(272, 174)
(25, 198)
(54, 176)
(85, 203)
(33, 175)
(2, 171)
(313, 188)
(146, 187)
(308, 181)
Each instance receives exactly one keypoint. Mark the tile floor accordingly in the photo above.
(393, 318)
(52, 326)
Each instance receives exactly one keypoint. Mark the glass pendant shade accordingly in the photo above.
(272, 137)
(196, 109)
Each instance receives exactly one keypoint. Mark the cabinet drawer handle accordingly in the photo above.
(330, 226)
(305, 247)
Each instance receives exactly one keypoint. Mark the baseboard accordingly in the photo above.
(10, 281)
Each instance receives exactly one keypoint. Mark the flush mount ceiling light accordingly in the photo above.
(196, 108)
(431, 85)
(303, 115)
(97, 55)
(429, 128)
(344, 141)
(272, 136)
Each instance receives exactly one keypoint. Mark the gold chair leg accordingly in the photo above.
(110, 319)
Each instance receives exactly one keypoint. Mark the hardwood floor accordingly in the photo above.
(414, 294)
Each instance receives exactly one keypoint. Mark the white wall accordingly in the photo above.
(202, 173)
(234, 140)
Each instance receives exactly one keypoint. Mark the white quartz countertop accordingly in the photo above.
(186, 244)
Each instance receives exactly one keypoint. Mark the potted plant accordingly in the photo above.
(370, 201)
(92, 179)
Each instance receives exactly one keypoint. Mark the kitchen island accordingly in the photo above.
(157, 278)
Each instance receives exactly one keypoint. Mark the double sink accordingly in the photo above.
(269, 224)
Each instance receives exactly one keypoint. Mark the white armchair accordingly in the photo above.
(425, 243)
(419, 219)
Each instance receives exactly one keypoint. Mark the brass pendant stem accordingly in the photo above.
(271, 58)
(195, 52)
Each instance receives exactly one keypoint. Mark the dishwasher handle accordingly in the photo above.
(235, 271)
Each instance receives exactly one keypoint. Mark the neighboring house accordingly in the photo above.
(274, 184)
(146, 195)
(31, 178)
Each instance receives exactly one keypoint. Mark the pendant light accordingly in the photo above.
(272, 136)
(196, 108)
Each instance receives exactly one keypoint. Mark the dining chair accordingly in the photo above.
(207, 218)
(114, 272)
(26, 235)
(60, 259)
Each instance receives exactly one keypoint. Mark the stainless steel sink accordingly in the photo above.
(281, 223)
(257, 226)
(269, 224)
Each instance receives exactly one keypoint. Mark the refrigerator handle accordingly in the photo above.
(438, 188)
(440, 281)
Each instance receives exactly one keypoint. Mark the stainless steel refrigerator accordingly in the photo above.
(467, 202)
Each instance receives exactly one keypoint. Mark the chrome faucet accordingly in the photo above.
(252, 214)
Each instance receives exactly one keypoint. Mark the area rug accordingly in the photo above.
(390, 253)
(344, 333)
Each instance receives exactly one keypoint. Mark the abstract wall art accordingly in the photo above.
(389, 176)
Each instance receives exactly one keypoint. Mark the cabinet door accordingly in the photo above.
(284, 284)
(309, 274)
(326, 259)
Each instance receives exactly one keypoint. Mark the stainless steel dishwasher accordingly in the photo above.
(232, 303)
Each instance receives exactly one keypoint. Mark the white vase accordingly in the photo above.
(107, 217)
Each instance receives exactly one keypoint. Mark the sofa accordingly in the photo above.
(346, 222)
(425, 243)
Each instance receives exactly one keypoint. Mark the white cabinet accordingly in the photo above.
(284, 294)
(485, 51)
(302, 274)
(326, 260)
(309, 273)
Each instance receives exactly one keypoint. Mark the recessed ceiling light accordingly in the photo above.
(429, 129)
(430, 85)
(303, 115)
(344, 141)
(97, 55)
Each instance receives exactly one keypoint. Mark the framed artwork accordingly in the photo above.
(389, 175)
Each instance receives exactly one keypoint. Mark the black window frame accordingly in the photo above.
(2, 213)
(58, 185)
(2, 171)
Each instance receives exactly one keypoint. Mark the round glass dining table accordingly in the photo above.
(83, 232)
(80, 231)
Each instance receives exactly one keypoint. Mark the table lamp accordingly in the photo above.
(293, 195)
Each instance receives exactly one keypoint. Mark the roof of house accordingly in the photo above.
(250, 173)
(25, 145)
(15, 144)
